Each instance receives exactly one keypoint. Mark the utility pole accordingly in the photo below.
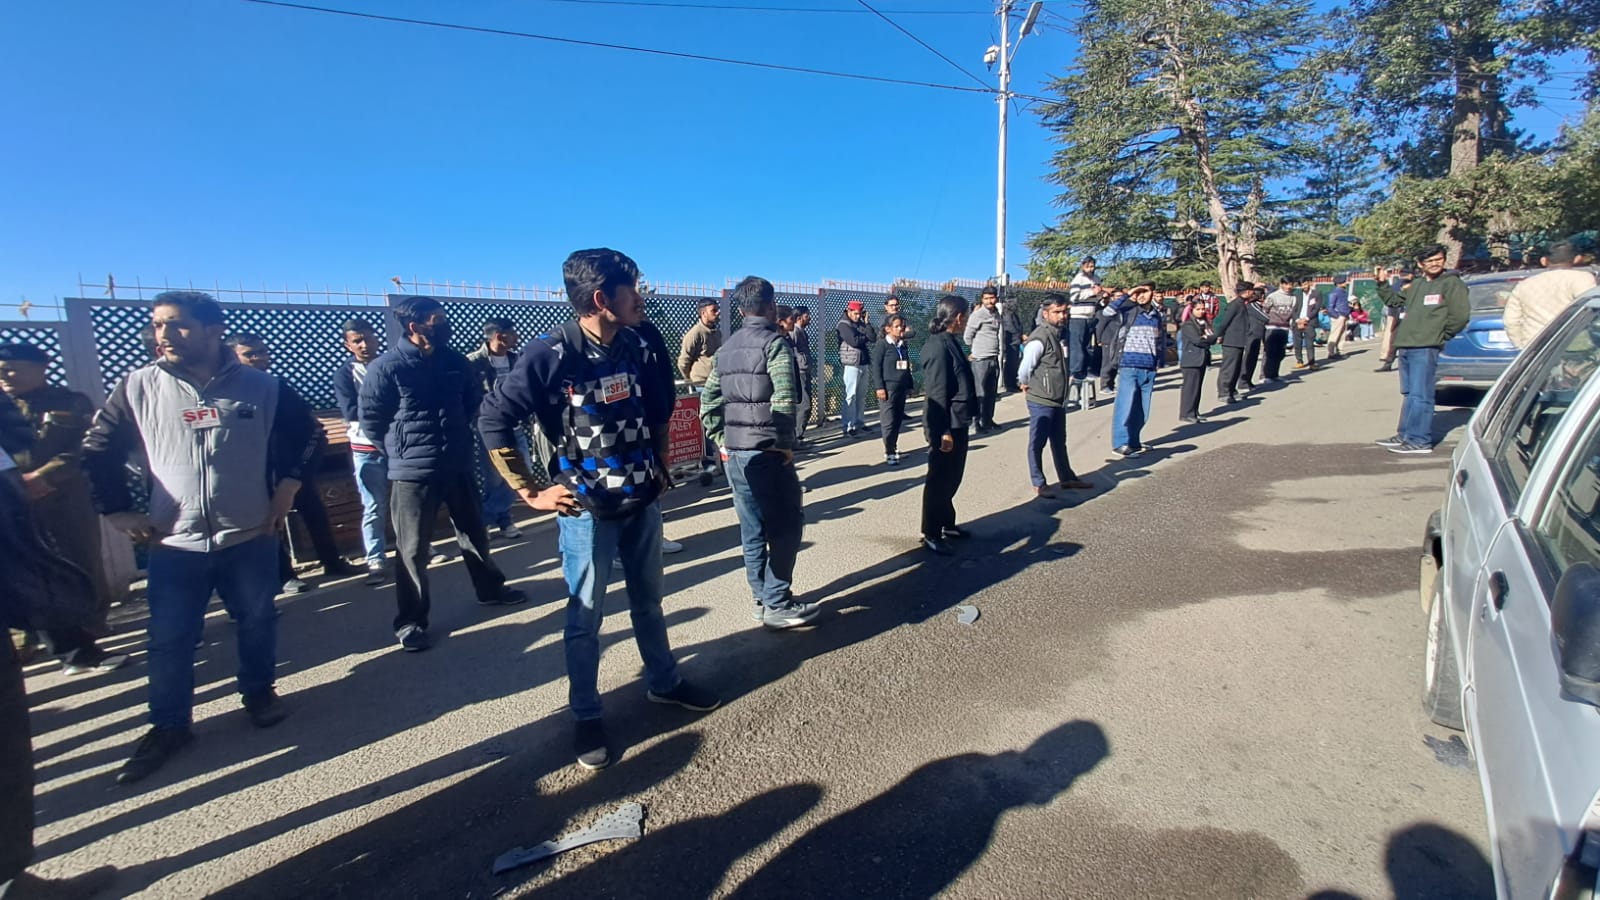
(1007, 51)
(1005, 104)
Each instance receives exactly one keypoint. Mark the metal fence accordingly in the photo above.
(95, 338)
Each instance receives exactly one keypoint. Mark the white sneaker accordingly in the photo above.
(511, 532)
(670, 546)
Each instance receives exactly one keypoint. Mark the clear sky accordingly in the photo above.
(222, 140)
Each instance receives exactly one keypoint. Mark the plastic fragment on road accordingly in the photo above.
(966, 615)
(626, 821)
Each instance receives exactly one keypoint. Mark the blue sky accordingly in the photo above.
(222, 140)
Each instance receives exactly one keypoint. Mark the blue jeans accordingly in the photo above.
(1418, 366)
(372, 480)
(180, 586)
(1079, 331)
(766, 495)
(1132, 409)
(498, 497)
(588, 547)
(850, 414)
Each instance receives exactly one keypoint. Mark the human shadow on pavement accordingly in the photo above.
(1427, 861)
(915, 839)
(398, 853)
(328, 720)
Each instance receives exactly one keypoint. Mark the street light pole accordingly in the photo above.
(1004, 99)
(1007, 50)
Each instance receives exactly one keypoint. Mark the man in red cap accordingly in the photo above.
(855, 345)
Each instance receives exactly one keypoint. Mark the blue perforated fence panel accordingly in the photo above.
(827, 312)
(45, 337)
(307, 342)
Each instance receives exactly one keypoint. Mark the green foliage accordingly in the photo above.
(1496, 202)
(1170, 114)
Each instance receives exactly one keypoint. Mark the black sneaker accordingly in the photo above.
(1395, 441)
(376, 575)
(687, 696)
(338, 569)
(589, 744)
(265, 709)
(952, 533)
(413, 638)
(790, 615)
(507, 597)
(1411, 449)
(156, 747)
(937, 546)
(92, 659)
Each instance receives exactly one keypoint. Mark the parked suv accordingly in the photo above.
(1513, 636)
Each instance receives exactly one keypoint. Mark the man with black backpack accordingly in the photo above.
(603, 400)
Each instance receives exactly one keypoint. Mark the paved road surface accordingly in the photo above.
(1200, 680)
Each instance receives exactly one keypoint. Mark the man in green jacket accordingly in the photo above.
(1433, 309)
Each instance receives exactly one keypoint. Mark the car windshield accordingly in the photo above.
(1491, 295)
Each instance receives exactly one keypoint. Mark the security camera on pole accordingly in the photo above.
(1003, 54)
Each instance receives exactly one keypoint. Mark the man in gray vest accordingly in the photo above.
(1043, 373)
(748, 408)
(226, 449)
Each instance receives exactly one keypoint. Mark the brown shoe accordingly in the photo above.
(1076, 484)
(1045, 492)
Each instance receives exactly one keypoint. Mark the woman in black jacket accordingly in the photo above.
(1195, 358)
(949, 393)
(890, 377)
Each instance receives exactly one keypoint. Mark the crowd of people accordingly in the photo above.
(228, 450)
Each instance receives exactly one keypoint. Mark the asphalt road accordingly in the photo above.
(1198, 680)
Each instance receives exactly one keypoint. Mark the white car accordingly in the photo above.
(1511, 585)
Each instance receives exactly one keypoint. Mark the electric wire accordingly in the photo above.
(898, 27)
(663, 4)
(579, 42)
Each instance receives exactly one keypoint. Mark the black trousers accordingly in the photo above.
(413, 507)
(1277, 345)
(1252, 354)
(1189, 399)
(892, 415)
(944, 479)
(1013, 360)
(16, 769)
(1229, 372)
(986, 378)
(314, 516)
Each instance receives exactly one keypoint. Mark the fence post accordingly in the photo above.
(79, 357)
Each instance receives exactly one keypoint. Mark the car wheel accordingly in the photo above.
(1441, 687)
(1428, 573)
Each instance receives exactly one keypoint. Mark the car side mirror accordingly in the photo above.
(1575, 621)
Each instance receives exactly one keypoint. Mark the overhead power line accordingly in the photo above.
(578, 42)
(666, 4)
(929, 47)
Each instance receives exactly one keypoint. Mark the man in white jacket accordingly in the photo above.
(1537, 300)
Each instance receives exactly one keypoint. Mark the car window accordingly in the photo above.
(1555, 383)
(1490, 295)
(1568, 532)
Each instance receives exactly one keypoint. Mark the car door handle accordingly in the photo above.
(1498, 588)
(1461, 478)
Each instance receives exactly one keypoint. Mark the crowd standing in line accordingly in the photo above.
(228, 449)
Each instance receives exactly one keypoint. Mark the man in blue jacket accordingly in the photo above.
(603, 399)
(1338, 315)
(1141, 346)
(371, 469)
(417, 405)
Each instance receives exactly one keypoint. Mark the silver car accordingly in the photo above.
(1511, 586)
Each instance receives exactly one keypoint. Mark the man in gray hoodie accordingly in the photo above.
(226, 449)
(983, 340)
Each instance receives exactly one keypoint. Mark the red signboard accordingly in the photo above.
(685, 443)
